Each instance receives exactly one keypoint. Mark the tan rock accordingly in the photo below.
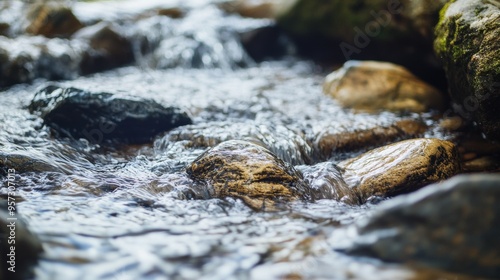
(247, 171)
(52, 20)
(401, 167)
(328, 143)
(377, 86)
(255, 8)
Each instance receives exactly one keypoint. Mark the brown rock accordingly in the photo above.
(109, 49)
(328, 143)
(251, 8)
(247, 171)
(52, 20)
(401, 167)
(378, 86)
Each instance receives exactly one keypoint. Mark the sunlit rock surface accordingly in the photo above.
(467, 43)
(247, 171)
(401, 167)
(102, 117)
(377, 86)
(453, 225)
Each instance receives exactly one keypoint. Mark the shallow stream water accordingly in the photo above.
(126, 212)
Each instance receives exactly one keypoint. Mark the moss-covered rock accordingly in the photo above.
(468, 45)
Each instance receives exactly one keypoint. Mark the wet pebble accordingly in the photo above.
(52, 19)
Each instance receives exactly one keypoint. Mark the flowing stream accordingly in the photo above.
(126, 212)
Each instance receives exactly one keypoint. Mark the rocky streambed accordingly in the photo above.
(219, 151)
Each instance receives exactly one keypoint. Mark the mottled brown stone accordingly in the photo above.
(247, 171)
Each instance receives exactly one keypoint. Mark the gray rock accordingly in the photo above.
(467, 43)
(453, 225)
(103, 117)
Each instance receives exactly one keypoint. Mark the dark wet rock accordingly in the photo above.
(4, 28)
(24, 162)
(173, 12)
(330, 143)
(268, 42)
(482, 164)
(453, 225)
(401, 167)
(99, 117)
(325, 181)
(467, 43)
(247, 171)
(108, 49)
(52, 19)
(286, 144)
(378, 86)
(27, 247)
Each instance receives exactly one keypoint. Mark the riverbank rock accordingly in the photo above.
(401, 167)
(108, 49)
(52, 19)
(378, 86)
(467, 43)
(102, 117)
(247, 171)
(27, 246)
(453, 225)
(286, 144)
(329, 144)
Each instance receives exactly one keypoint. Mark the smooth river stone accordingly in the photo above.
(379, 86)
(453, 225)
(247, 171)
(104, 117)
(401, 167)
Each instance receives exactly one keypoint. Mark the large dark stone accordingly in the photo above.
(453, 225)
(102, 117)
(468, 45)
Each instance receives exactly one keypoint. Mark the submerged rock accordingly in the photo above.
(467, 43)
(27, 247)
(401, 167)
(23, 162)
(453, 225)
(377, 86)
(52, 20)
(247, 171)
(329, 143)
(286, 144)
(102, 117)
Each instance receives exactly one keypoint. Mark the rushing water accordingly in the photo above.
(126, 212)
